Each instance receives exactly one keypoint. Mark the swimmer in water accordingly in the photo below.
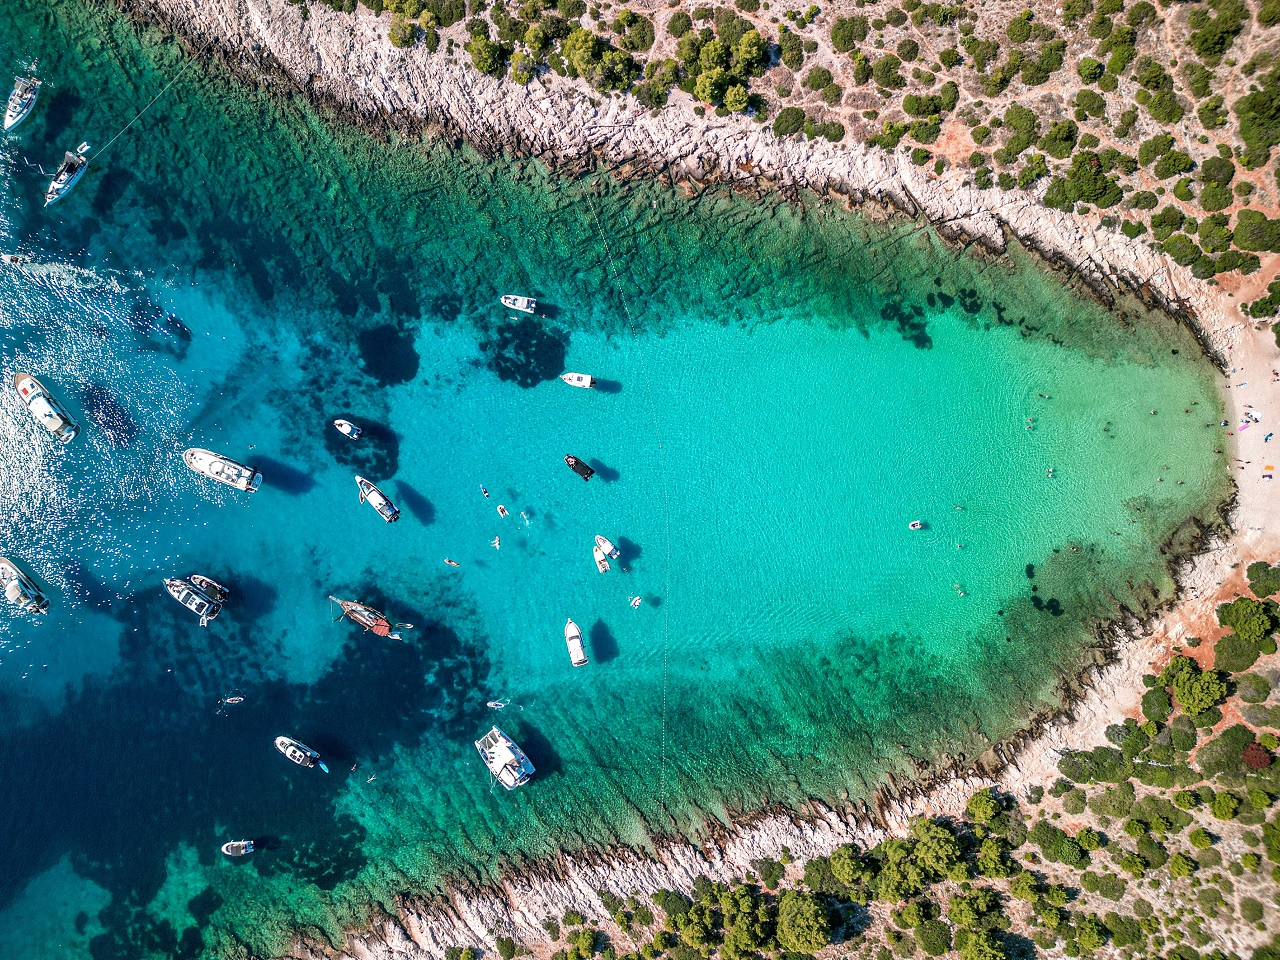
(496, 543)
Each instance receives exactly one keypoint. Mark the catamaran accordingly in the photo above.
(69, 173)
(21, 100)
(573, 639)
(387, 510)
(202, 595)
(300, 753)
(583, 380)
(49, 413)
(369, 618)
(523, 304)
(506, 761)
(237, 848)
(606, 545)
(223, 469)
(579, 467)
(20, 590)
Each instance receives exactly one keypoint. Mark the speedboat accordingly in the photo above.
(605, 544)
(21, 100)
(523, 304)
(583, 380)
(579, 467)
(237, 848)
(200, 595)
(69, 173)
(601, 563)
(299, 753)
(347, 429)
(369, 618)
(49, 413)
(505, 760)
(223, 469)
(387, 510)
(573, 638)
(20, 590)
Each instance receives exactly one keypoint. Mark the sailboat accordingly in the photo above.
(369, 618)
(69, 173)
(21, 100)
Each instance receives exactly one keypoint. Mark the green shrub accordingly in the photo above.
(934, 937)
(846, 32)
(908, 50)
(679, 24)
(1090, 70)
(802, 922)
(1224, 806)
(1156, 705)
(1252, 688)
(1172, 163)
(790, 120)
(1181, 866)
(1060, 139)
(792, 49)
(1214, 36)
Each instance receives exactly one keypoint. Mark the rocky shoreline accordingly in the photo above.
(344, 62)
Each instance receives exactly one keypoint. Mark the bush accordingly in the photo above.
(848, 31)
(1259, 115)
(1264, 579)
(1074, 802)
(1180, 866)
(1115, 802)
(1173, 163)
(886, 72)
(934, 937)
(1156, 705)
(1060, 140)
(908, 50)
(1090, 70)
(1255, 232)
(1085, 183)
(679, 24)
(1252, 688)
(802, 922)
(789, 120)
(1215, 35)
(1157, 146)
(1224, 806)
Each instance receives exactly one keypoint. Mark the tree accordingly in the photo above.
(487, 56)
(846, 32)
(934, 937)
(735, 98)
(711, 84)
(403, 32)
(936, 849)
(522, 67)
(751, 55)
(788, 121)
(982, 806)
(679, 24)
(1060, 140)
(802, 923)
(980, 945)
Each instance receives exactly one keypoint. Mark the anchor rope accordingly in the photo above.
(666, 500)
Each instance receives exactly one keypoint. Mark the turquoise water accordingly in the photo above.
(783, 389)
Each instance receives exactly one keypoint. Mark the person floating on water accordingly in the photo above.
(496, 543)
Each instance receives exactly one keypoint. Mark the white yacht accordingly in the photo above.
(606, 545)
(69, 173)
(238, 848)
(223, 469)
(347, 429)
(523, 304)
(573, 639)
(300, 753)
(21, 100)
(601, 563)
(20, 590)
(49, 413)
(583, 380)
(505, 760)
(387, 510)
(203, 596)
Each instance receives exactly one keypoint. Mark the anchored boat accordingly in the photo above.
(347, 429)
(506, 761)
(49, 413)
(579, 467)
(20, 590)
(299, 753)
(601, 563)
(237, 848)
(583, 380)
(202, 595)
(223, 469)
(21, 100)
(69, 173)
(387, 510)
(523, 304)
(369, 618)
(573, 639)
(606, 545)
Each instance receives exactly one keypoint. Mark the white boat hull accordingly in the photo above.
(20, 590)
(20, 105)
(223, 469)
(573, 640)
(606, 545)
(601, 563)
(504, 760)
(380, 502)
(583, 380)
(523, 304)
(46, 409)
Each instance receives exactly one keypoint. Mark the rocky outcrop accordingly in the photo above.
(347, 61)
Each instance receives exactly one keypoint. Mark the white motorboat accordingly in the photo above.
(21, 100)
(523, 304)
(202, 595)
(69, 173)
(347, 429)
(223, 469)
(506, 761)
(605, 544)
(387, 510)
(237, 848)
(573, 639)
(49, 413)
(20, 590)
(601, 563)
(583, 380)
(300, 753)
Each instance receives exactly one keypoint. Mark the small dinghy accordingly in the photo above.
(585, 381)
(579, 467)
(69, 173)
(20, 590)
(369, 618)
(605, 544)
(237, 848)
(523, 304)
(573, 639)
(201, 595)
(44, 406)
(21, 100)
(601, 563)
(387, 510)
(347, 429)
(506, 761)
(300, 753)
(915, 525)
(223, 469)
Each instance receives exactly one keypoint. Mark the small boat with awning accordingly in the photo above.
(523, 304)
(369, 618)
(504, 759)
(583, 380)
(380, 502)
(202, 595)
(20, 590)
(238, 848)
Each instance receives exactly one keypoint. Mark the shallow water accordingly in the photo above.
(783, 389)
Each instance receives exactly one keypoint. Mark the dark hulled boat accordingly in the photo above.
(579, 467)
